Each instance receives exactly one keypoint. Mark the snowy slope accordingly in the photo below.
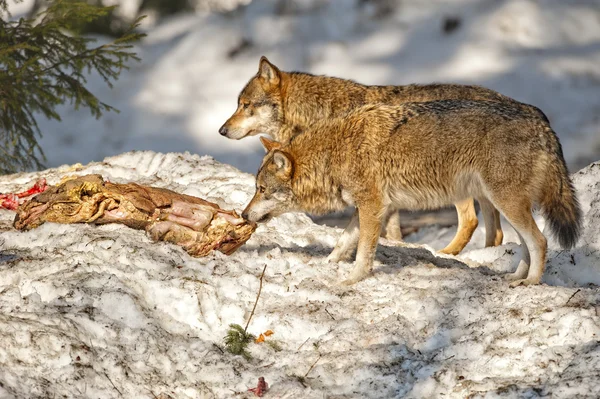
(542, 52)
(102, 312)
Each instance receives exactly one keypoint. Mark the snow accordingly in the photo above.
(546, 53)
(101, 311)
(88, 311)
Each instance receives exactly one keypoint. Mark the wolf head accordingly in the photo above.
(274, 194)
(259, 105)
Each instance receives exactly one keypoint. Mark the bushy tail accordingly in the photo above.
(561, 206)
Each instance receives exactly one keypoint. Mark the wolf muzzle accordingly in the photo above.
(223, 130)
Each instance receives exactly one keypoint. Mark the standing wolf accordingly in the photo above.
(422, 156)
(283, 104)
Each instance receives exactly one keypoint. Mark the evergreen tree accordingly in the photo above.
(43, 64)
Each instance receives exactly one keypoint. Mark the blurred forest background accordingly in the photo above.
(198, 54)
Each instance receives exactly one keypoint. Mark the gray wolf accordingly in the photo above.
(422, 156)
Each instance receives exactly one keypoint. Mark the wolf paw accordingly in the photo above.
(350, 281)
(394, 235)
(449, 251)
(333, 258)
(356, 276)
(525, 282)
(513, 277)
(336, 256)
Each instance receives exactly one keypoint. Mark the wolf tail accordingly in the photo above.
(560, 205)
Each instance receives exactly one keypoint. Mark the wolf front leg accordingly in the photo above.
(369, 215)
(347, 241)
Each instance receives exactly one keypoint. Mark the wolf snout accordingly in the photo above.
(245, 215)
(223, 130)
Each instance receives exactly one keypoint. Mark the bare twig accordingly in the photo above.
(313, 365)
(107, 377)
(330, 315)
(302, 344)
(571, 297)
(257, 296)
(219, 348)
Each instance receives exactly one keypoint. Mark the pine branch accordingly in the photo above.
(237, 340)
(44, 63)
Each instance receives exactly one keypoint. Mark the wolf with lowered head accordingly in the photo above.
(423, 156)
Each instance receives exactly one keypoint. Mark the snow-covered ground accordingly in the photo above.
(88, 311)
(546, 53)
(103, 312)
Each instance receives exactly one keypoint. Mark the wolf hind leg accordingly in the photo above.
(369, 215)
(523, 267)
(347, 241)
(518, 212)
(392, 225)
(467, 223)
(493, 229)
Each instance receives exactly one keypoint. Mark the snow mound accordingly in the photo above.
(101, 311)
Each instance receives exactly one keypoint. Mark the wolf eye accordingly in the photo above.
(246, 105)
(261, 189)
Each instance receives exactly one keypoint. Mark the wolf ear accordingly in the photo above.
(267, 71)
(284, 164)
(269, 144)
